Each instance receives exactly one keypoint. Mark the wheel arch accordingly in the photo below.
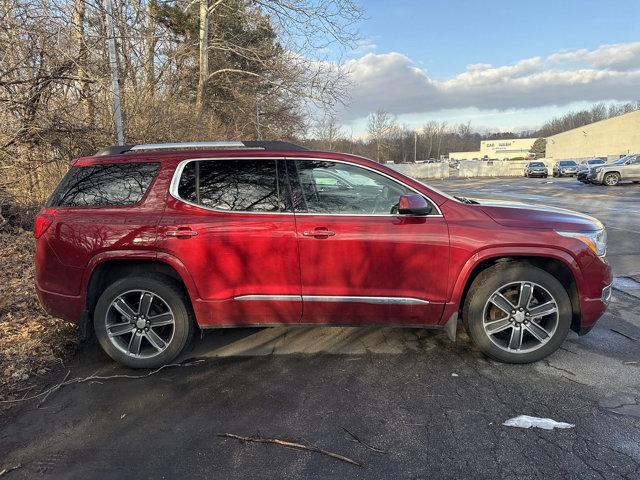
(105, 271)
(564, 270)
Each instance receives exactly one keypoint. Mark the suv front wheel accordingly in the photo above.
(611, 179)
(143, 322)
(517, 313)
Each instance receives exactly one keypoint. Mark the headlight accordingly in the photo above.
(596, 241)
(598, 170)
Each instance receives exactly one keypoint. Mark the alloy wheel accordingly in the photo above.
(520, 317)
(140, 324)
(611, 179)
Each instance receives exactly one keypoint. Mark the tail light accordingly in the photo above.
(43, 221)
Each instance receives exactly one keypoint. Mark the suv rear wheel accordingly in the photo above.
(517, 313)
(143, 322)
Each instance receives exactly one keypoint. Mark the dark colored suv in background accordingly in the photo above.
(147, 242)
(585, 166)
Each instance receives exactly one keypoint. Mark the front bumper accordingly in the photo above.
(595, 295)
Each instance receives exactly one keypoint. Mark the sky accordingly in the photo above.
(502, 65)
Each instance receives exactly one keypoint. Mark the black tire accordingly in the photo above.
(611, 179)
(170, 295)
(491, 280)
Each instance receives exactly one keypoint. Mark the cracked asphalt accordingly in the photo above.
(421, 406)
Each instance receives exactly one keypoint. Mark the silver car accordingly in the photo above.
(624, 169)
(565, 168)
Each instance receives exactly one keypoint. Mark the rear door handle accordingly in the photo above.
(319, 232)
(181, 232)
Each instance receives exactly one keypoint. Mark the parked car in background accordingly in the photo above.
(536, 169)
(624, 169)
(148, 242)
(584, 167)
(565, 168)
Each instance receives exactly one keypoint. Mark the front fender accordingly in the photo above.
(458, 288)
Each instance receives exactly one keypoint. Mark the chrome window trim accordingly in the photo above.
(175, 182)
(337, 299)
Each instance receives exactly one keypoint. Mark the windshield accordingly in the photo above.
(536, 164)
(566, 163)
(597, 161)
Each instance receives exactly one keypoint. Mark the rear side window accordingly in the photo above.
(232, 185)
(104, 185)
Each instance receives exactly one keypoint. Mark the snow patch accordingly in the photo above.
(525, 421)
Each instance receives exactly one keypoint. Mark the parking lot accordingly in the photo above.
(403, 403)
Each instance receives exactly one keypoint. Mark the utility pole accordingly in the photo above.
(113, 64)
(415, 146)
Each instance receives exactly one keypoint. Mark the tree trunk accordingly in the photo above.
(151, 48)
(204, 54)
(79, 21)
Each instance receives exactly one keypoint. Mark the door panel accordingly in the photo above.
(631, 171)
(245, 264)
(374, 267)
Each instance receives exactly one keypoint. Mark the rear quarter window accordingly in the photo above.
(119, 184)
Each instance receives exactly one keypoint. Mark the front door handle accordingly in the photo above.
(319, 232)
(181, 232)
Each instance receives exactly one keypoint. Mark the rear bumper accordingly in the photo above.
(67, 307)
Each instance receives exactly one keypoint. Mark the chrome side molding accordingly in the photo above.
(331, 298)
(273, 298)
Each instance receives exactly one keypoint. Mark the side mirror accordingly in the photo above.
(413, 204)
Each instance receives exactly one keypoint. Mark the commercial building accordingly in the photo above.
(609, 138)
(497, 149)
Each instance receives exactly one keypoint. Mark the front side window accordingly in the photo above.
(118, 184)
(232, 185)
(326, 187)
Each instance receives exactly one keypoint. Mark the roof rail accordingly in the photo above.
(256, 144)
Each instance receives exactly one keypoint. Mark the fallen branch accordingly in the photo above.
(294, 445)
(54, 389)
(94, 377)
(361, 442)
(4, 471)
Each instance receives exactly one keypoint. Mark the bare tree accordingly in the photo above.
(326, 130)
(381, 126)
(430, 131)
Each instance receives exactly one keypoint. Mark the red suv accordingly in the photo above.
(144, 243)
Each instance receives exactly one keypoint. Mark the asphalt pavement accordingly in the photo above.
(402, 403)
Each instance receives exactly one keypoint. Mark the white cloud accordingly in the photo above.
(620, 56)
(392, 81)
